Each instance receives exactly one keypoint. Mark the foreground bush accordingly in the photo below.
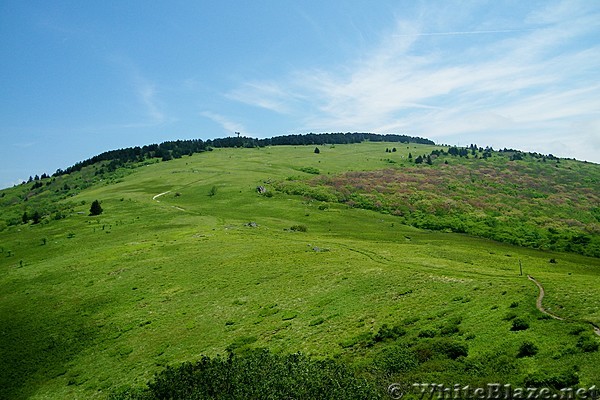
(257, 374)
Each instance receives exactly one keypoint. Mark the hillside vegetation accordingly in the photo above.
(527, 200)
(189, 271)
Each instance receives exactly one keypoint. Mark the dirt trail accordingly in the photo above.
(538, 303)
(160, 194)
(540, 307)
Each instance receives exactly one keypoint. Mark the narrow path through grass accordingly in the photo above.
(540, 307)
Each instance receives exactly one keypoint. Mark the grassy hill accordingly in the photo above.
(188, 259)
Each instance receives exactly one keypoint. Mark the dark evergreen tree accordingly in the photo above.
(25, 217)
(419, 160)
(95, 209)
(317, 151)
(36, 217)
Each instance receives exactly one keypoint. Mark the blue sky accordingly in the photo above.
(78, 78)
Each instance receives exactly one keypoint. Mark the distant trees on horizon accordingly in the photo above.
(176, 149)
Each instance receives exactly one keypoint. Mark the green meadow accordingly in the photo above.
(188, 259)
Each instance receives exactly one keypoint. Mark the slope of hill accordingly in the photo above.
(509, 196)
(90, 305)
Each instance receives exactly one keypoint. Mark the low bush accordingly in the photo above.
(299, 228)
(519, 324)
(255, 375)
(527, 349)
(587, 344)
(395, 359)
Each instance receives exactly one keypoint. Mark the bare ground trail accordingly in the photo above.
(540, 307)
(160, 194)
(155, 197)
(540, 298)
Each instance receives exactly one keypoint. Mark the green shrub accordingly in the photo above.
(395, 359)
(310, 170)
(519, 324)
(555, 381)
(255, 375)
(527, 349)
(427, 333)
(440, 348)
(385, 332)
(587, 344)
(299, 228)
(577, 330)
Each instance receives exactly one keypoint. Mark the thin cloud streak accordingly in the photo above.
(459, 33)
(227, 124)
(502, 92)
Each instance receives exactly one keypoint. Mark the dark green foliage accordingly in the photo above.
(386, 332)
(299, 228)
(527, 349)
(440, 347)
(395, 359)
(587, 344)
(427, 333)
(451, 327)
(555, 381)
(519, 324)
(578, 330)
(95, 208)
(310, 170)
(36, 217)
(317, 151)
(213, 191)
(255, 375)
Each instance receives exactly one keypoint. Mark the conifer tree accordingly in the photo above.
(95, 209)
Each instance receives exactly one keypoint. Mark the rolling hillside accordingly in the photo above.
(355, 254)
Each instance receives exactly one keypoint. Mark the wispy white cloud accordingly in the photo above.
(537, 80)
(144, 90)
(147, 94)
(228, 125)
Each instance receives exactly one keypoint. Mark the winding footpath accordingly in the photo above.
(540, 307)
(160, 194)
(155, 197)
(538, 303)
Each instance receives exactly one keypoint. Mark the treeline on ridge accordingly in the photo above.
(176, 149)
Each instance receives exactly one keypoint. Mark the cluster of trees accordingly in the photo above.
(479, 152)
(176, 149)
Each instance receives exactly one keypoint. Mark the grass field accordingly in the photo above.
(91, 304)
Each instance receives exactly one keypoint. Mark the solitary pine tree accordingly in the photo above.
(95, 209)
(317, 151)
